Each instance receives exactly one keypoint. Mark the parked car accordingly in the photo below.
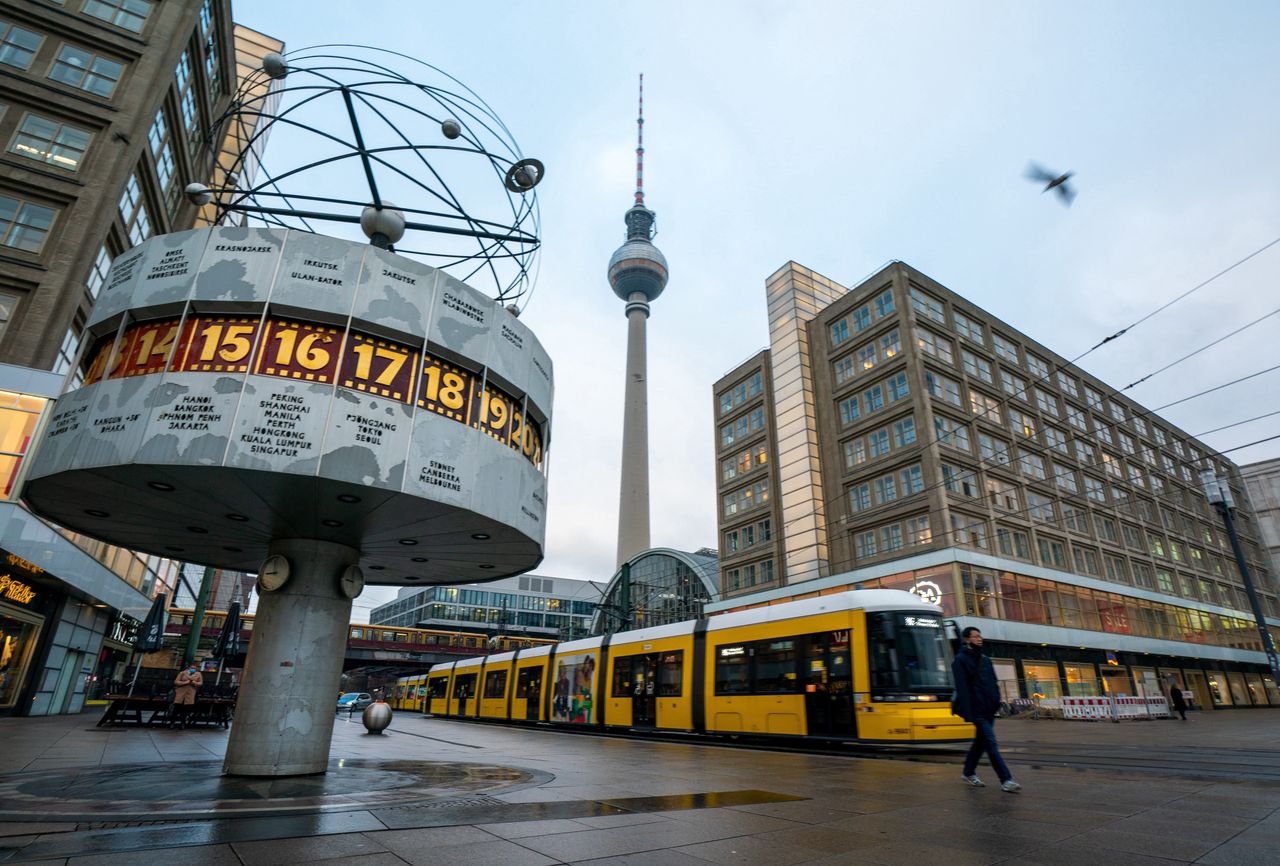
(352, 701)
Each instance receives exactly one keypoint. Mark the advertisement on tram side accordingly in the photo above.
(573, 697)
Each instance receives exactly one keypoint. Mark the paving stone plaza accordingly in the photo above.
(443, 792)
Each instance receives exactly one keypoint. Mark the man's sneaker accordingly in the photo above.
(974, 781)
(1010, 787)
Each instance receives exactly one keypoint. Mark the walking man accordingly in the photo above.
(976, 700)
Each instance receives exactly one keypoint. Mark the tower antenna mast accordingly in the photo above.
(640, 148)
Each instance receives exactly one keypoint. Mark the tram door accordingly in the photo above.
(828, 690)
(644, 702)
(529, 686)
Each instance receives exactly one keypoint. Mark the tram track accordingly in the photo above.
(1201, 762)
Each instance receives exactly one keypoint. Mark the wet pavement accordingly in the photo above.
(441, 792)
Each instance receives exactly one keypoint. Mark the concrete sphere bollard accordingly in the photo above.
(376, 717)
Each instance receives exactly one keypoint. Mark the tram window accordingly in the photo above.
(908, 651)
(464, 686)
(733, 670)
(246, 625)
(776, 667)
(622, 678)
(670, 674)
(357, 634)
(438, 687)
(401, 637)
(495, 684)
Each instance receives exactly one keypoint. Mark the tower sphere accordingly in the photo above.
(638, 266)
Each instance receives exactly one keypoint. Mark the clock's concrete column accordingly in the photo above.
(284, 716)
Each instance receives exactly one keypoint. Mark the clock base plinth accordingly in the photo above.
(284, 713)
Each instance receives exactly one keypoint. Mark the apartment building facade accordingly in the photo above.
(965, 461)
(108, 108)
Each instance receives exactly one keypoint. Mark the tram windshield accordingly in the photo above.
(909, 653)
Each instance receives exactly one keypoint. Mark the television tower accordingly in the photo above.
(638, 274)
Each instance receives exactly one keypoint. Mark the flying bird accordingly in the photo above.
(1053, 181)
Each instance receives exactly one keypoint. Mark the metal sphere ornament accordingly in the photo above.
(382, 225)
(376, 717)
(324, 132)
(198, 194)
(275, 66)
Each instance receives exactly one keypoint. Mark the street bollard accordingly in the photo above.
(376, 717)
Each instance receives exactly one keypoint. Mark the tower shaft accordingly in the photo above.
(633, 500)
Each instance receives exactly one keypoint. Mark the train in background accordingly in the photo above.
(373, 637)
(869, 665)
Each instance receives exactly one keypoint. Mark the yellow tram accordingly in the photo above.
(869, 665)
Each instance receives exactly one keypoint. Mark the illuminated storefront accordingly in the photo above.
(1049, 637)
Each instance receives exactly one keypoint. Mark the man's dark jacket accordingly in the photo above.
(977, 690)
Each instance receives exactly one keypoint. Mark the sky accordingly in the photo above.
(843, 136)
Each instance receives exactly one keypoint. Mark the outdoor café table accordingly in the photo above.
(128, 709)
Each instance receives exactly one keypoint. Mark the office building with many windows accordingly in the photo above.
(530, 605)
(896, 435)
(108, 108)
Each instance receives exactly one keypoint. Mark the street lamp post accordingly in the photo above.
(1219, 493)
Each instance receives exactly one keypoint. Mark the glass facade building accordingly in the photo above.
(656, 587)
(529, 605)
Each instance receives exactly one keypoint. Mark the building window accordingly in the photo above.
(1085, 453)
(1014, 386)
(1093, 398)
(206, 16)
(968, 531)
(1094, 489)
(1055, 439)
(927, 305)
(1132, 537)
(51, 142)
(1106, 528)
(844, 371)
(1075, 518)
(1053, 553)
(884, 304)
(890, 344)
(849, 412)
(23, 225)
(67, 352)
(1077, 418)
(8, 304)
(865, 545)
(1046, 402)
(1117, 411)
(1005, 348)
(957, 480)
(162, 154)
(740, 427)
(1037, 367)
(1067, 383)
(873, 398)
(935, 346)
(911, 481)
(942, 388)
(886, 489)
(970, 329)
(1040, 507)
(904, 432)
(1013, 542)
(993, 450)
(744, 462)
(1031, 465)
(984, 406)
(898, 387)
(860, 497)
(745, 498)
(877, 444)
(729, 399)
(129, 14)
(1103, 432)
(1021, 422)
(1002, 494)
(87, 71)
(18, 46)
(891, 538)
(977, 367)
(1086, 560)
(918, 530)
(1065, 478)
(952, 433)
(212, 68)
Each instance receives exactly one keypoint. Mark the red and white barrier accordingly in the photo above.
(1104, 708)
